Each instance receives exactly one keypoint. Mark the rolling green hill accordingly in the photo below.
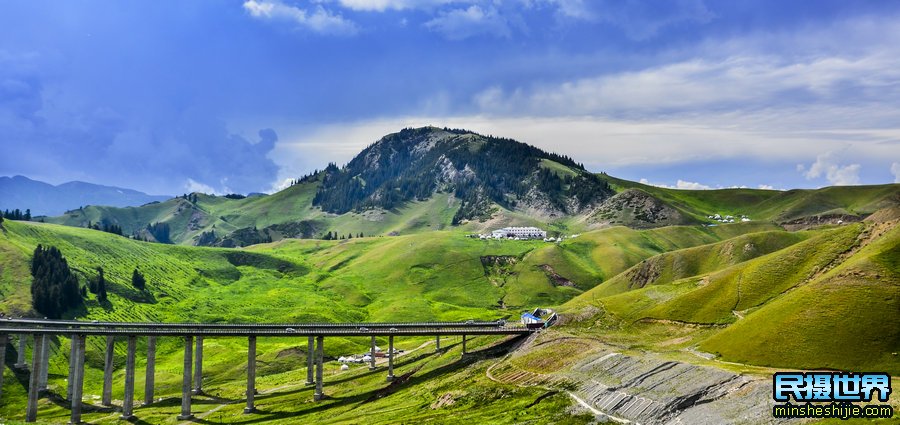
(814, 299)
(772, 205)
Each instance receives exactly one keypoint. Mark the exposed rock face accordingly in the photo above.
(555, 278)
(654, 391)
(251, 235)
(638, 209)
(497, 268)
(820, 220)
(645, 272)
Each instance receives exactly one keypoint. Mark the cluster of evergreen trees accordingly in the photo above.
(160, 232)
(235, 196)
(106, 227)
(311, 177)
(17, 214)
(494, 170)
(333, 236)
(190, 197)
(207, 238)
(54, 288)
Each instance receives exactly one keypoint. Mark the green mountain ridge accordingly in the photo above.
(427, 179)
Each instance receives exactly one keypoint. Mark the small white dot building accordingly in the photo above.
(519, 233)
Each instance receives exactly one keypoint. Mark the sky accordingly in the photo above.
(223, 96)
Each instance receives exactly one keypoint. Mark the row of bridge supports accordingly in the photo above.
(192, 378)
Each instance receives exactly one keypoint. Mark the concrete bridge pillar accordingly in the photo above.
(390, 376)
(150, 377)
(3, 340)
(106, 400)
(437, 343)
(310, 360)
(20, 360)
(464, 344)
(128, 402)
(251, 374)
(70, 379)
(198, 367)
(372, 355)
(186, 380)
(36, 355)
(45, 363)
(77, 378)
(320, 359)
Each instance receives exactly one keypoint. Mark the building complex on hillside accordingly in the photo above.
(519, 233)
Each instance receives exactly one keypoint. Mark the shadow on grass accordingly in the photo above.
(406, 380)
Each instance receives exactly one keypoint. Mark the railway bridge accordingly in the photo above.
(193, 334)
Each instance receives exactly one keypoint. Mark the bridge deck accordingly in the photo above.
(65, 327)
(81, 323)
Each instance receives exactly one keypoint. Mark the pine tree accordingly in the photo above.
(137, 280)
(27, 216)
(101, 285)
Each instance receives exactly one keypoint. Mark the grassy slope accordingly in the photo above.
(772, 205)
(809, 304)
(684, 263)
(844, 319)
(754, 282)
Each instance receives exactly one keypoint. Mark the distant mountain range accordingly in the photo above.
(430, 178)
(46, 199)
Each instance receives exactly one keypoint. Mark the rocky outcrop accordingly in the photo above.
(638, 209)
(648, 390)
(497, 268)
(820, 220)
(555, 278)
(645, 272)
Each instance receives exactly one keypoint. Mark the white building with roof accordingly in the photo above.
(519, 233)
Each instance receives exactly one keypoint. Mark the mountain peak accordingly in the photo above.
(481, 171)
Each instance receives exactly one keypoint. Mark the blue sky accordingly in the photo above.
(237, 96)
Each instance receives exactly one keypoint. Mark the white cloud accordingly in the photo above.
(634, 18)
(281, 185)
(382, 5)
(736, 82)
(194, 186)
(458, 24)
(895, 170)
(318, 19)
(578, 9)
(835, 173)
(680, 184)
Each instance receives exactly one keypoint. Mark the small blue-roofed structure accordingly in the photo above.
(531, 321)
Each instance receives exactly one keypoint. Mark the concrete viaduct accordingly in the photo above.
(193, 334)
